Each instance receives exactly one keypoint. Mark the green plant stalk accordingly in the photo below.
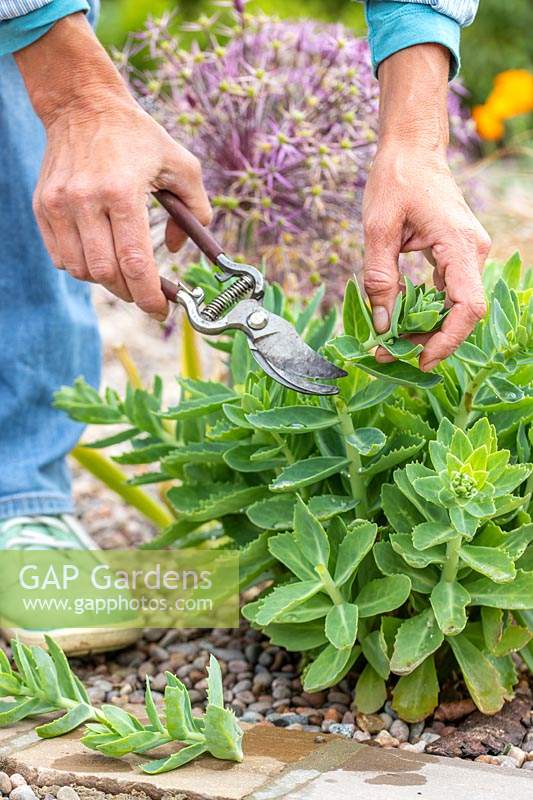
(191, 363)
(329, 585)
(451, 565)
(357, 483)
(462, 418)
(103, 468)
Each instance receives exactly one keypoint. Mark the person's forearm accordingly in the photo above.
(104, 157)
(68, 68)
(413, 97)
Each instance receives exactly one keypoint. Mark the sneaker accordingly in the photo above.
(60, 533)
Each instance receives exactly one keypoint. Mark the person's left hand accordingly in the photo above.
(412, 203)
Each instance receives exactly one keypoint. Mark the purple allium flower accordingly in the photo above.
(283, 117)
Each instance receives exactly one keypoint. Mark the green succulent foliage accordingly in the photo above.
(417, 310)
(44, 682)
(394, 521)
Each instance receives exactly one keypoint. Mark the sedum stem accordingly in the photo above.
(329, 584)
(464, 410)
(113, 477)
(357, 482)
(449, 572)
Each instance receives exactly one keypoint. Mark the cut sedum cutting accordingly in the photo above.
(43, 682)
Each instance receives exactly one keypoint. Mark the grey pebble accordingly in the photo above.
(67, 793)
(252, 717)
(261, 705)
(387, 719)
(18, 780)
(419, 747)
(430, 737)
(400, 730)
(527, 744)
(283, 720)
(281, 693)
(415, 731)
(339, 697)
(507, 761)
(252, 652)
(237, 666)
(23, 793)
(342, 729)
(96, 695)
(389, 710)
(265, 659)
(245, 697)
(528, 765)
(5, 783)
(242, 686)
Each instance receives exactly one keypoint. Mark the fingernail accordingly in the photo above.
(429, 366)
(380, 315)
(158, 317)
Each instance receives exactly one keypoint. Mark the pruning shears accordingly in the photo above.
(274, 342)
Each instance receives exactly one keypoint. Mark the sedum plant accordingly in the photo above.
(390, 526)
(44, 682)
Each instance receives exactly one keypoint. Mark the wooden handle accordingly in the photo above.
(190, 225)
(169, 289)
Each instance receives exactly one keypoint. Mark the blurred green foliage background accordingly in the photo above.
(499, 39)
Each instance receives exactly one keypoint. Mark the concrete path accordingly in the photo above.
(278, 765)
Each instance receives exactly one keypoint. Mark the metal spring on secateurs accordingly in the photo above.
(242, 287)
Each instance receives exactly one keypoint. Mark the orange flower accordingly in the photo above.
(488, 126)
(512, 93)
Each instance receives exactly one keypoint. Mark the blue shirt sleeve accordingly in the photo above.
(393, 26)
(19, 32)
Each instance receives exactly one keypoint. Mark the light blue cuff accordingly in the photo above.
(21, 31)
(393, 26)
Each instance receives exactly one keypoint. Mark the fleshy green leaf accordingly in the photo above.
(68, 722)
(430, 534)
(329, 667)
(416, 695)
(481, 677)
(306, 472)
(370, 691)
(341, 625)
(417, 638)
(375, 651)
(399, 372)
(516, 595)
(382, 595)
(448, 601)
(310, 536)
(285, 598)
(489, 561)
(354, 547)
(293, 419)
(367, 441)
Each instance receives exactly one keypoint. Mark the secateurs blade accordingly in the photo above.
(274, 343)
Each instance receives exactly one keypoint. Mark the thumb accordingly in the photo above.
(381, 278)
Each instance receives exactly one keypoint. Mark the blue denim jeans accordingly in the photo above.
(48, 330)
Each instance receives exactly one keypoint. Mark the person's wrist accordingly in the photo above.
(68, 73)
(413, 98)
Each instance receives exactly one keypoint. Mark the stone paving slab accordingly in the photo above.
(278, 765)
(369, 773)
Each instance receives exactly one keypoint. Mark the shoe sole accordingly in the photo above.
(78, 641)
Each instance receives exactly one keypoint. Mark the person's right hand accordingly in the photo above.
(103, 158)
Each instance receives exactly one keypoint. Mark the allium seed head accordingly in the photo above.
(283, 117)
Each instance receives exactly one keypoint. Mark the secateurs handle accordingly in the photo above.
(190, 225)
